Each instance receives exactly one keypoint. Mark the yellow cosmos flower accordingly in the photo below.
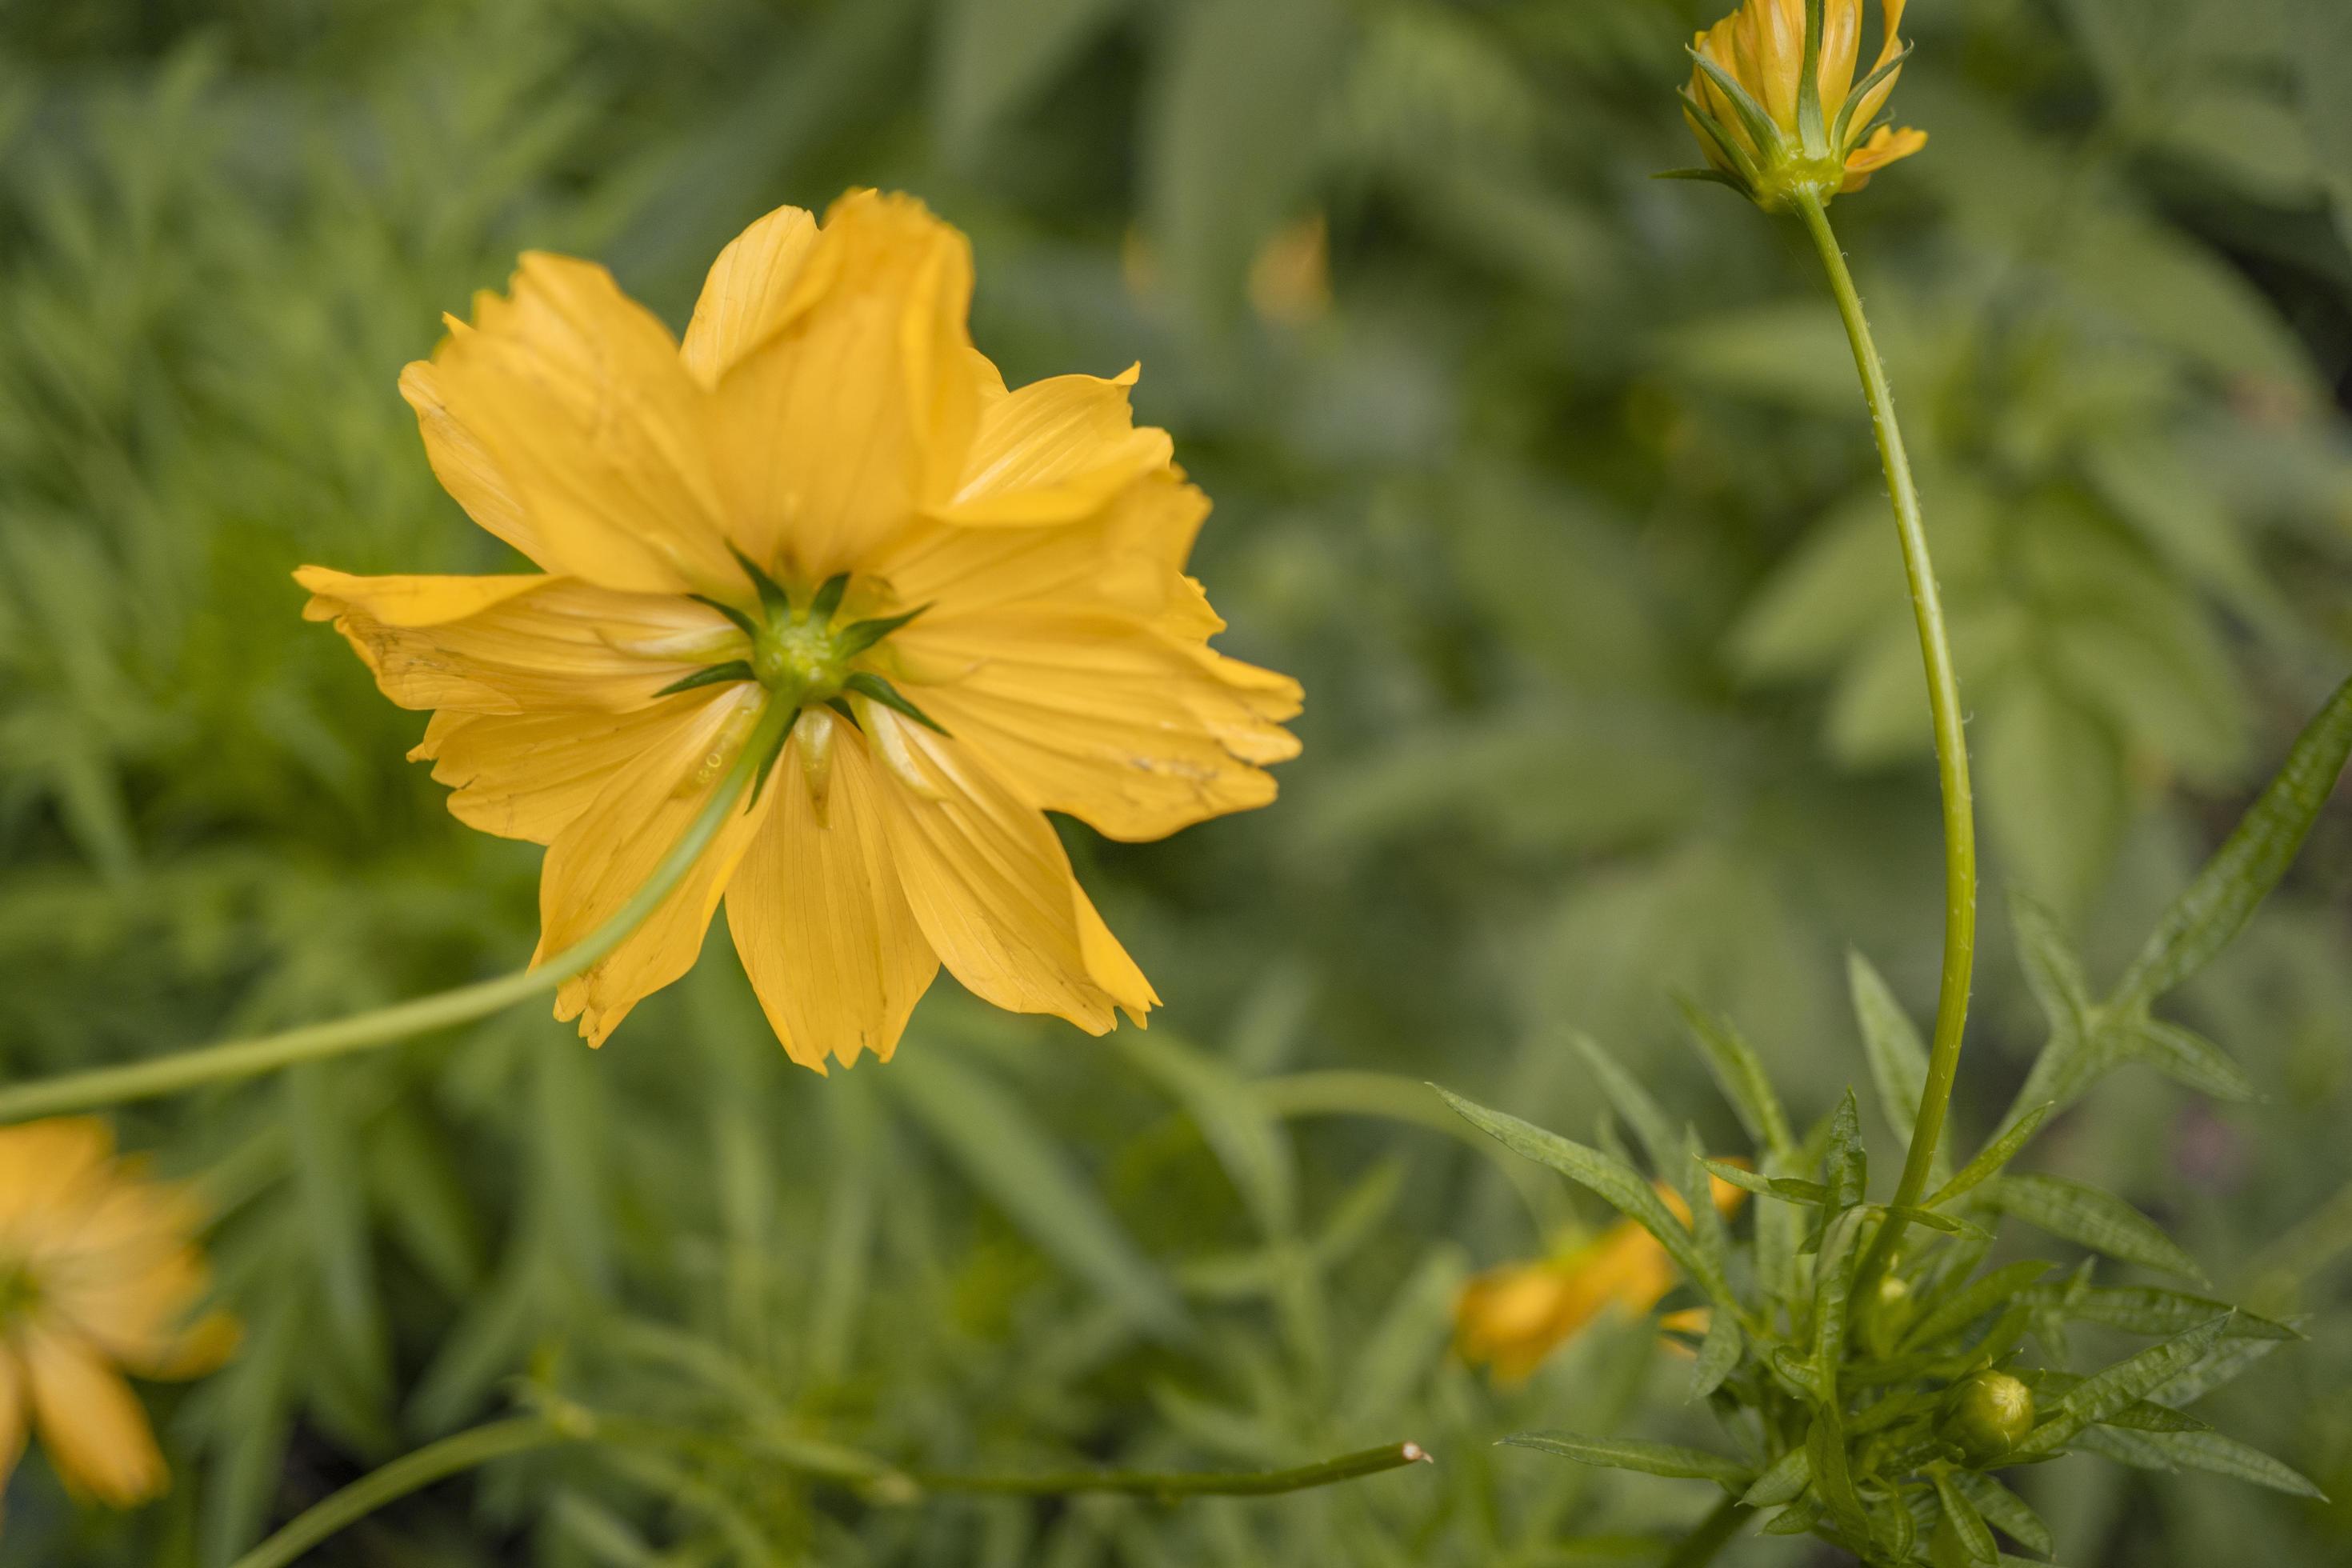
(97, 1273)
(1512, 1317)
(1746, 101)
(972, 599)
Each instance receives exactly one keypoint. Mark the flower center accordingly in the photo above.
(801, 656)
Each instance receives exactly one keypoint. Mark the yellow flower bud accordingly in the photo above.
(1763, 133)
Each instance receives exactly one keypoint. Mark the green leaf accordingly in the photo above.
(2006, 1511)
(2092, 1219)
(1740, 1072)
(1247, 1139)
(1992, 1157)
(2145, 1309)
(2225, 894)
(1782, 1480)
(2185, 1056)
(1847, 1167)
(1614, 1181)
(1716, 1356)
(1632, 1101)
(1973, 1300)
(1898, 1061)
(1008, 1154)
(1631, 1454)
(995, 55)
(2109, 1392)
(2225, 1456)
(1967, 1525)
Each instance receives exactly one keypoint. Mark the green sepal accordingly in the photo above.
(745, 624)
(710, 674)
(859, 635)
(767, 763)
(1842, 136)
(773, 600)
(1762, 128)
(828, 598)
(842, 707)
(1812, 133)
(1733, 152)
(874, 688)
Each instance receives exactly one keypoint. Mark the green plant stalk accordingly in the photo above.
(1712, 1533)
(1182, 1484)
(523, 1434)
(384, 1026)
(1951, 751)
(395, 1480)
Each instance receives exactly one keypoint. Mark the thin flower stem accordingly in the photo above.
(1951, 753)
(1180, 1483)
(395, 1480)
(384, 1026)
(1710, 1535)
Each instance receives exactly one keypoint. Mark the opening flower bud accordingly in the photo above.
(1992, 1416)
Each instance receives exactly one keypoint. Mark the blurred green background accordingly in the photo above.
(1551, 482)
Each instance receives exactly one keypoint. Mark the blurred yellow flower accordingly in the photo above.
(1756, 135)
(1510, 1319)
(973, 598)
(98, 1272)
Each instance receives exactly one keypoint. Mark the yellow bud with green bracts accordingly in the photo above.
(1990, 1417)
(1774, 101)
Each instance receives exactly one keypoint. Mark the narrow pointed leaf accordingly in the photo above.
(1614, 1181)
(2006, 1511)
(1740, 1072)
(1993, 1156)
(2095, 1219)
(1631, 1454)
(1974, 1299)
(1716, 1356)
(2145, 1310)
(1626, 1096)
(2098, 1397)
(2225, 894)
(1782, 1481)
(2225, 1456)
(1898, 1061)
(2186, 1057)
(1968, 1527)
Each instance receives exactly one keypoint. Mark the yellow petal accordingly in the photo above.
(465, 466)
(531, 775)
(1055, 451)
(576, 398)
(1876, 99)
(92, 1425)
(743, 297)
(992, 889)
(505, 644)
(1097, 717)
(48, 1166)
(818, 916)
(857, 411)
(1886, 146)
(600, 861)
(1841, 43)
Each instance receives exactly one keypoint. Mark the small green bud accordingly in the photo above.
(1992, 1416)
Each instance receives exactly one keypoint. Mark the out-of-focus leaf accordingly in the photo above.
(1248, 1140)
(1019, 1165)
(2225, 894)
(992, 57)
(1631, 1454)
(1740, 1074)
(2052, 787)
(2185, 1056)
(2006, 1511)
(1898, 1058)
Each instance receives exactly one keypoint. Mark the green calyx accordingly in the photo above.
(802, 654)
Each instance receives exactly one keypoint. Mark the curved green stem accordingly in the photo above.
(400, 1478)
(1951, 751)
(264, 1053)
(1180, 1483)
(1708, 1536)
